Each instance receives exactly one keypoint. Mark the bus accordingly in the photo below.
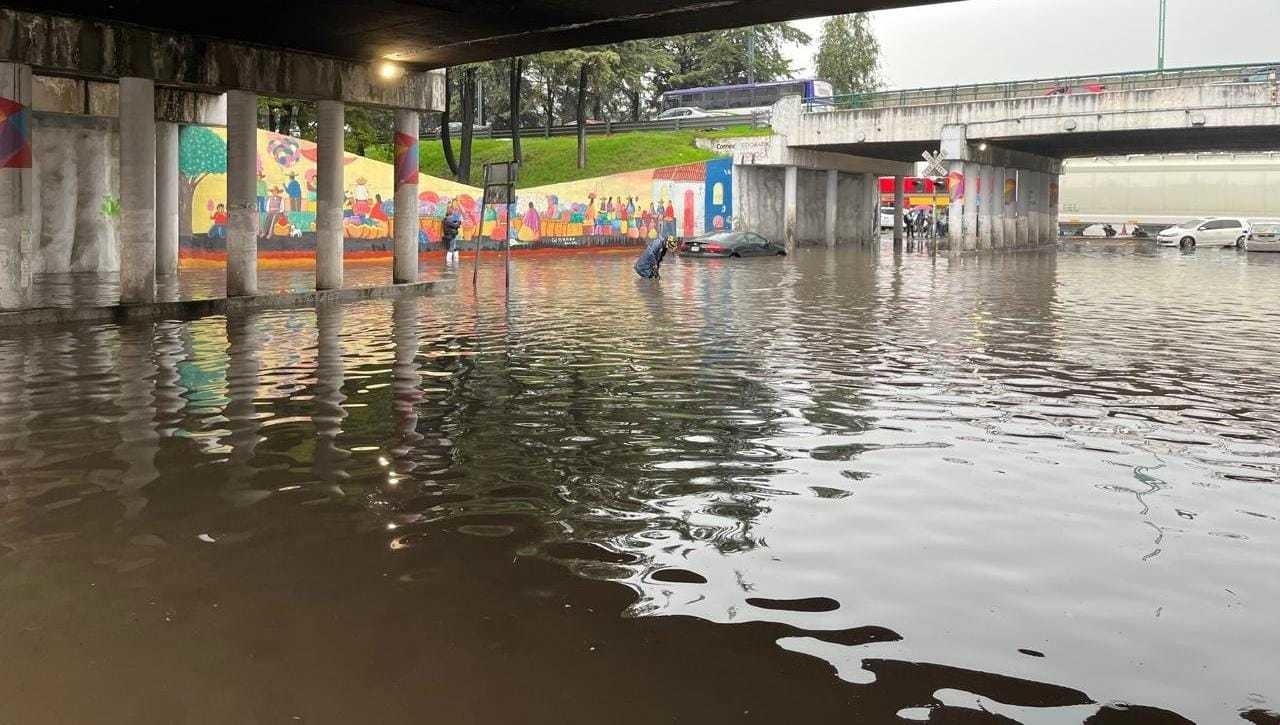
(746, 97)
(918, 191)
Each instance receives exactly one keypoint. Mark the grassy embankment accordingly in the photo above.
(555, 159)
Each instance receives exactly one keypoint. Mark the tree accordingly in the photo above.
(849, 55)
(200, 153)
(718, 58)
(468, 123)
(517, 71)
(446, 144)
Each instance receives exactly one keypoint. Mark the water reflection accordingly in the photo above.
(1022, 487)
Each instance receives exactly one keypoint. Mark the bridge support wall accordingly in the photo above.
(16, 202)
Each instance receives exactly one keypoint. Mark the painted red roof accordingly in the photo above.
(684, 172)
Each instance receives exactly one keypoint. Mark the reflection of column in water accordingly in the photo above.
(329, 459)
(170, 351)
(139, 439)
(244, 350)
(405, 390)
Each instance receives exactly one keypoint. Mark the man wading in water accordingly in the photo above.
(651, 259)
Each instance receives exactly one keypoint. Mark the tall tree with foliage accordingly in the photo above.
(200, 152)
(849, 54)
(513, 113)
(719, 58)
(468, 123)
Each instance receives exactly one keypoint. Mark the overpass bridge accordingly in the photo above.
(1004, 143)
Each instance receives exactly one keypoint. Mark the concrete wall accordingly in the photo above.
(74, 170)
(758, 200)
(811, 206)
(858, 207)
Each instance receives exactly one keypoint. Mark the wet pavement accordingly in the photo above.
(841, 487)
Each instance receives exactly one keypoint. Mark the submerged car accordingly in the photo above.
(1264, 236)
(1205, 232)
(730, 244)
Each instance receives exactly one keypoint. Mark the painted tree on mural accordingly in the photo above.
(200, 153)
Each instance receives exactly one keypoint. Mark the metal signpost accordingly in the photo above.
(499, 188)
(934, 166)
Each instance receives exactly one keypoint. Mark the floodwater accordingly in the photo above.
(841, 487)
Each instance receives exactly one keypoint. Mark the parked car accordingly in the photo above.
(1205, 232)
(730, 244)
(1264, 235)
(684, 112)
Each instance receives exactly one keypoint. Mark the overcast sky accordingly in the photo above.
(994, 40)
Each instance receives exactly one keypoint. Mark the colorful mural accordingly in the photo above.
(15, 135)
(628, 208)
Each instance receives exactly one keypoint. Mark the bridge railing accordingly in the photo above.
(758, 119)
(1139, 80)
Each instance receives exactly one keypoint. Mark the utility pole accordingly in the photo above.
(1164, 10)
(751, 54)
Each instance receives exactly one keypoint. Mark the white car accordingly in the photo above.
(1264, 235)
(684, 112)
(1205, 232)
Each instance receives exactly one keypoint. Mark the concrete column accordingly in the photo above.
(1035, 224)
(1021, 227)
(406, 185)
(987, 210)
(1009, 204)
(997, 208)
(833, 205)
(899, 196)
(1050, 208)
(16, 201)
(972, 179)
(166, 199)
(789, 208)
(242, 195)
(955, 210)
(137, 190)
(331, 116)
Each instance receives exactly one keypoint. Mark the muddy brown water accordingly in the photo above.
(843, 487)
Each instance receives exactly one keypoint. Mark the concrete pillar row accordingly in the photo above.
(997, 207)
(16, 201)
(167, 232)
(242, 195)
(833, 205)
(956, 208)
(986, 213)
(331, 118)
(1021, 229)
(972, 180)
(1050, 208)
(1036, 228)
(137, 190)
(899, 197)
(405, 264)
(789, 213)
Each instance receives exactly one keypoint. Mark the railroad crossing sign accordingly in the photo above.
(934, 165)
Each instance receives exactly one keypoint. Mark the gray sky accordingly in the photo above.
(994, 40)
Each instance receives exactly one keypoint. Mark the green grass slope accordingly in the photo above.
(555, 159)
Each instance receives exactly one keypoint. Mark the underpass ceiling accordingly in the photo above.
(436, 33)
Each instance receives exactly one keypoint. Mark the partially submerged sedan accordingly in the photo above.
(730, 244)
(1264, 235)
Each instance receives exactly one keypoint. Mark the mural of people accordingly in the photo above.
(530, 226)
(262, 193)
(218, 230)
(275, 211)
(361, 200)
(294, 190)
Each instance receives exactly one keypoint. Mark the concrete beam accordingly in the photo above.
(405, 264)
(832, 206)
(137, 191)
(16, 184)
(329, 184)
(166, 199)
(90, 49)
(242, 194)
(789, 211)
